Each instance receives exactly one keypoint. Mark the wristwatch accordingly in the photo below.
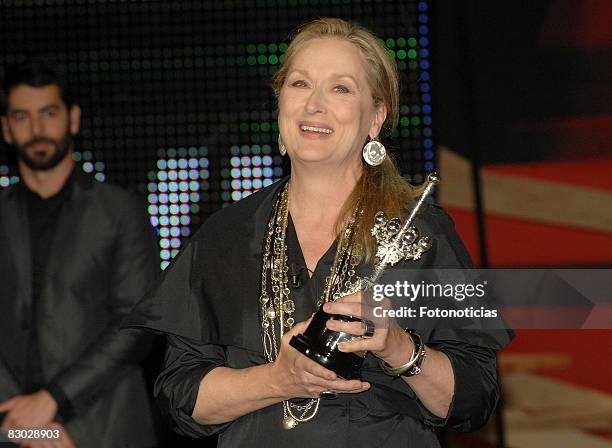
(413, 366)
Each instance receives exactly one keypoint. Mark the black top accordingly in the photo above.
(207, 302)
(43, 215)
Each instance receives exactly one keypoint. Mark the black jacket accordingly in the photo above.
(101, 260)
(207, 302)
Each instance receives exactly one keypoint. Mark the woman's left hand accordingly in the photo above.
(389, 342)
(436, 383)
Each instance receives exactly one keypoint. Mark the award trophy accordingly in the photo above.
(395, 242)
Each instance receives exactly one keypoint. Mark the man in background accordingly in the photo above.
(76, 255)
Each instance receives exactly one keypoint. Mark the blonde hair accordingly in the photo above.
(380, 188)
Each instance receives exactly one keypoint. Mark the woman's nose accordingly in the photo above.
(316, 102)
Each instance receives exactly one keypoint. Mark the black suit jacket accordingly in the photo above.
(101, 260)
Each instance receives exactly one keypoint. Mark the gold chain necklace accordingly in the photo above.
(277, 305)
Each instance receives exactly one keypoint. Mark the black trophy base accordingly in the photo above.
(346, 365)
(321, 345)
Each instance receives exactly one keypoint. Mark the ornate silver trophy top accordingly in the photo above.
(396, 242)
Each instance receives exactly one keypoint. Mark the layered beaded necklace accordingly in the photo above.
(276, 300)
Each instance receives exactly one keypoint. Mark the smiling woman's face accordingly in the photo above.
(326, 109)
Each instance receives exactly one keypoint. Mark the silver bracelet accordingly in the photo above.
(413, 366)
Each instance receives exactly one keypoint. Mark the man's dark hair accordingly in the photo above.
(35, 73)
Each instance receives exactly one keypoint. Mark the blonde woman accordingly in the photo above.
(227, 369)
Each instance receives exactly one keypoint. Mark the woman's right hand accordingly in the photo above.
(297, 376)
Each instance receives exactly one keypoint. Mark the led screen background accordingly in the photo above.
(176, 95)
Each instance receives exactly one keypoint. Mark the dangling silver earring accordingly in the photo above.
(281, 147)
(374, 153)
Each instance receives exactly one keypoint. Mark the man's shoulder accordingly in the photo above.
(8, 191)
(107, 200)
(105, 190)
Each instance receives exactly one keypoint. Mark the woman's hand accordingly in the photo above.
(297, 376)
(389, 342)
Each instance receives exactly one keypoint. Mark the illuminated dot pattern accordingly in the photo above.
(412, 54)
(425, 88)
(262, 54)
(174, 194)
(152, 75)
(249, 169)
(90, 166)
(5, 177)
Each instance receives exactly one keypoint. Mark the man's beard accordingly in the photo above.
(44, 164)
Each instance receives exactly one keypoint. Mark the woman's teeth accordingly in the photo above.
(315, 129)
